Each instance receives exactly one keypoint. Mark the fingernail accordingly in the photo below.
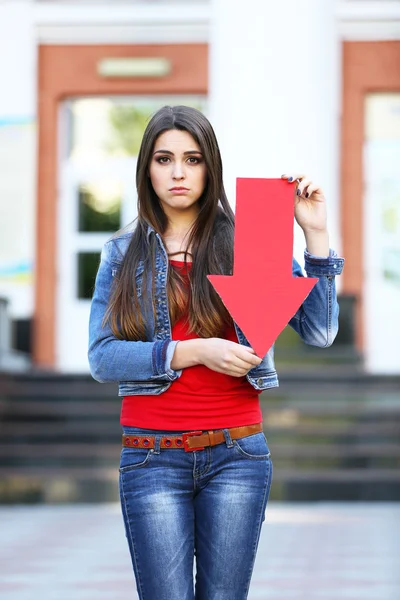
(290, 178)
(299, 192)
(307, 194)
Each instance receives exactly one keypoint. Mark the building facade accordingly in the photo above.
(299, 85)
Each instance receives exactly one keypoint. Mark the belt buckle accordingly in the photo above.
(190, 434)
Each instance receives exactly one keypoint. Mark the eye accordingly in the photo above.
(163, 160)
(194, 160)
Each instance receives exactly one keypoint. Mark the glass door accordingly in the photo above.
(100, 139)
(382, 232)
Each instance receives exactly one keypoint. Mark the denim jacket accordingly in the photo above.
(145, 367)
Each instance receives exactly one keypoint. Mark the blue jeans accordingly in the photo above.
(208, 504)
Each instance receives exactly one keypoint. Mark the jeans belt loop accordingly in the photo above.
(157, 442)
(228, 438)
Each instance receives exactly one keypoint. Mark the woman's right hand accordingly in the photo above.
(227, 357)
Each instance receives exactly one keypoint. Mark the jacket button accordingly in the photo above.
(259, 382)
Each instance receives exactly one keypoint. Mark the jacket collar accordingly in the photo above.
(150, 230)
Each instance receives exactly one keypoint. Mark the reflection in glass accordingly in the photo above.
(100, 206)
(113, 127)
(88, 263)
(127, 125)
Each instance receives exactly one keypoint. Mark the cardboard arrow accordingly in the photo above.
(262, 295)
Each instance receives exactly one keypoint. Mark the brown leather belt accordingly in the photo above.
(192, 440)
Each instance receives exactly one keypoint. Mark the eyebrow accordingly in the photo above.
(172, 154)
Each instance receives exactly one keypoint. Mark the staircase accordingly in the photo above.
(333, 435)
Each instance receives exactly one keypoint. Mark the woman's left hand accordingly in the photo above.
(309, 204)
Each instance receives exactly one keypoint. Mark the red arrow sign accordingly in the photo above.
(262, 295)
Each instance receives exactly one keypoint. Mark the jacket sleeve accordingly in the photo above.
(112, 359)
(316, 321)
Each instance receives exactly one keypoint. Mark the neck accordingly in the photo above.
(176, 238)
(179, 227)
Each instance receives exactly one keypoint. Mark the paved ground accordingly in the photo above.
(307, 552)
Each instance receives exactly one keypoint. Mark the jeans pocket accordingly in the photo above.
(253, 446)
(134, 458)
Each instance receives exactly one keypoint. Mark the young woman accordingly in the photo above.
(195, 468)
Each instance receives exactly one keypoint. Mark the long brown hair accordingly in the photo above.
(210, 239)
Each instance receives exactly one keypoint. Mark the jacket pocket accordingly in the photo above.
(116, 267)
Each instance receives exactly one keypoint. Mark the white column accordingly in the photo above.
(17, 60)
(275, 93)
(17, 154)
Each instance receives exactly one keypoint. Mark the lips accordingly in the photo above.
(179, 189)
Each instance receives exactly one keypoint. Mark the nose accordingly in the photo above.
(178, 172)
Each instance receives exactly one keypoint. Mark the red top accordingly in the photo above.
(199, 399)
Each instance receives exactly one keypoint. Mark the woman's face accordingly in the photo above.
(178, 173)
